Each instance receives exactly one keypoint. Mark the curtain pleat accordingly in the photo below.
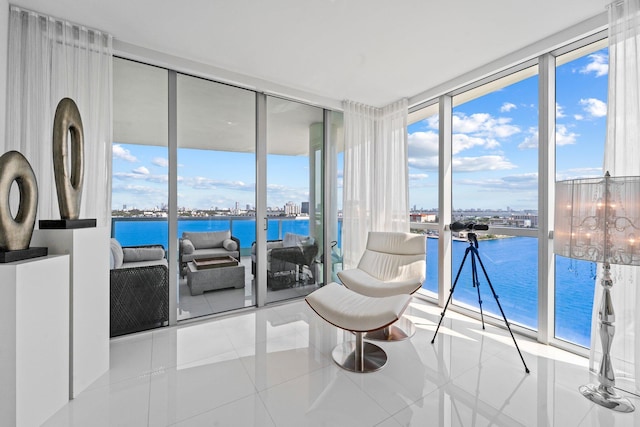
(375, 188)
(621, 158)
(48, 60)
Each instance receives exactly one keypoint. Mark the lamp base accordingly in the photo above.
(607, 397)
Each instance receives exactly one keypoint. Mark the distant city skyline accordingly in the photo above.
(206, 178)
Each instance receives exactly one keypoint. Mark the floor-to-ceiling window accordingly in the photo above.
(581, 96)
(139, 176)
(295, 230)
(216, 182)
(215, 187)
(496, 156)
(423, 186)
(495, 184)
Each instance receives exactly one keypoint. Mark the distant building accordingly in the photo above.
(292, 209)
(304, 208)
(422, 217)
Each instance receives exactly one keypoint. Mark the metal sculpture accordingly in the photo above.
(67, 122)
(15, 233)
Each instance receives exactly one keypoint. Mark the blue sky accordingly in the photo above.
(206, 179)
(495, 140)
(494, 153)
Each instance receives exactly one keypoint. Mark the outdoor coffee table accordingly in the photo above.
(214, 273)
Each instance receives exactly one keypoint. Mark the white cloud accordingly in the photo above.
(204, 183)
(563, 137)
(139, 190)
(575, 173)
(578, 117)
(530, 141)
(429, 163)
(510, 183)
(422, 144)
(469, 124)
(417, 176)
(141, 170)
(463, 142)
(484, 125)
(481, 163)
(423, 150)
(599, 65)
(594, 107)
(278, 195)
(507, 106)
(125, 176)
(559, 111)
(502, 129)
(160, 161)
(434, 121)
(123, 153)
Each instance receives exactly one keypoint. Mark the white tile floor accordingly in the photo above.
(273, 367)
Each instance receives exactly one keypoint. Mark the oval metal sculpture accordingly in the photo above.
(15, 233)
(67, 122)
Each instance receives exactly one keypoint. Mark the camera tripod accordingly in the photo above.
(473, 250)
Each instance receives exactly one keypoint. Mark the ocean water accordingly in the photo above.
(138, 231)
(510, 264)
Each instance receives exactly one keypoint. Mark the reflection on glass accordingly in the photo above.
(334, 222)
(581, 96)
(139, 167)
(216, 194)
(294, 199)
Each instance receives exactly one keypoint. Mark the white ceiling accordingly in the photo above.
(369, 51)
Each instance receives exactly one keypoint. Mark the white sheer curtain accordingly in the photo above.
(622, 158)
(375, 188)
(48, 60)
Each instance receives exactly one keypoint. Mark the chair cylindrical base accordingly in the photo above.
(359, 356)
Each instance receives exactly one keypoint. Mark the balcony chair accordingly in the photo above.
(139, 288)
(393, 263)
(287, 259)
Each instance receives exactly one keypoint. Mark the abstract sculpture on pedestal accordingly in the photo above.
(15, 232)
(68, 166)
(67, 121)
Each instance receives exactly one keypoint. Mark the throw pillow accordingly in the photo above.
(230, 245)
(116, 252)
(292, 239)
(187, 247)
(142, 254)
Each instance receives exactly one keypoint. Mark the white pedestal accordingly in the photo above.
(88, 250)
(34, 333)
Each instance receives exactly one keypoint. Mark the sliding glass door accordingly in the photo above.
(216, 136)
(140, 149)
(294, 190)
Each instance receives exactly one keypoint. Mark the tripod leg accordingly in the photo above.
(502, 312)
(476, 283)
(453, 288)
